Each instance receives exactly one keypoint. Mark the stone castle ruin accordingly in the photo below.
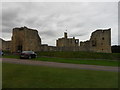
(25, 39)
(100, 41)
(67, 44)
(28, 39)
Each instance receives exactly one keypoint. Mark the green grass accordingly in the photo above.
(10, 56)
(26, 76)
(78, 54)
(73, 60)
(79, 61)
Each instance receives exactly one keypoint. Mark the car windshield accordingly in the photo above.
(28, 52)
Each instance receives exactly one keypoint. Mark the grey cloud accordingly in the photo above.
(52, 19)
(77, 34)
(9, 19)
(49, 33)
(79, 25)
(9, 14)
(6, 29)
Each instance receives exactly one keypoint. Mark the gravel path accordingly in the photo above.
(61, 65)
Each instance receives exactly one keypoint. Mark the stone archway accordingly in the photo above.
(19, 48)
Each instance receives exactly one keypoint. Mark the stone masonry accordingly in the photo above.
(28, 39)
(5, 45)
(25, 39)
(67, 44)
(100, 41)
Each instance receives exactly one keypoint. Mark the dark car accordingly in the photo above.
(28, 54)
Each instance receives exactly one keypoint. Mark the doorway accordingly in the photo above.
(19, 48)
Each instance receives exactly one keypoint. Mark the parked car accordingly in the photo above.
(28, 54)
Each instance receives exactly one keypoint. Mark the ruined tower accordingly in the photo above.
(100, 41)
(65, 34)
(67, 44)
(25, 39)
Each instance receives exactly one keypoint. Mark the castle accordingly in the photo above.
(28, 39)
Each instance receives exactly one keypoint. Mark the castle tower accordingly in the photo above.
(67, 44)
(25, 39)
(100, 41)
(65, 34)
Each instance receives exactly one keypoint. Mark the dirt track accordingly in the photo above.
(61, 65)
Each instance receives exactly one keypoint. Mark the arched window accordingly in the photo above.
(93, 43)
(76, 41)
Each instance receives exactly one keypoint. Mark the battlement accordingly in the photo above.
(24, 29)
(102, 31)
(25, 39)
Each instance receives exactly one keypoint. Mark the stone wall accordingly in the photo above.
(67, 44)
(85, 46)
(115, 49)
(5, 45)
(28, 39)
(25, 39)
(100, 41)
(45, 47)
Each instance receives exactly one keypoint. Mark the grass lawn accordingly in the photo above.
(10, 56)
(79, 61)
(26, 76)
(73, 60)
(80, 54)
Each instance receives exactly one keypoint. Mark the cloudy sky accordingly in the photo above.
(51, 19)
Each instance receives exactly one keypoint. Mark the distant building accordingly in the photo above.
(116, 49)
(67, 44)
(5, 45)
(25, 39)
(100, 41)
(28, 39)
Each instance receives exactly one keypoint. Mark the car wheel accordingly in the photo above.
(34, 56)
(29, 57)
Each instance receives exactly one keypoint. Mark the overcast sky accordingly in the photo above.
(51, 19)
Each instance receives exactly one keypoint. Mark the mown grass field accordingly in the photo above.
(26, 76)
(79, 61)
